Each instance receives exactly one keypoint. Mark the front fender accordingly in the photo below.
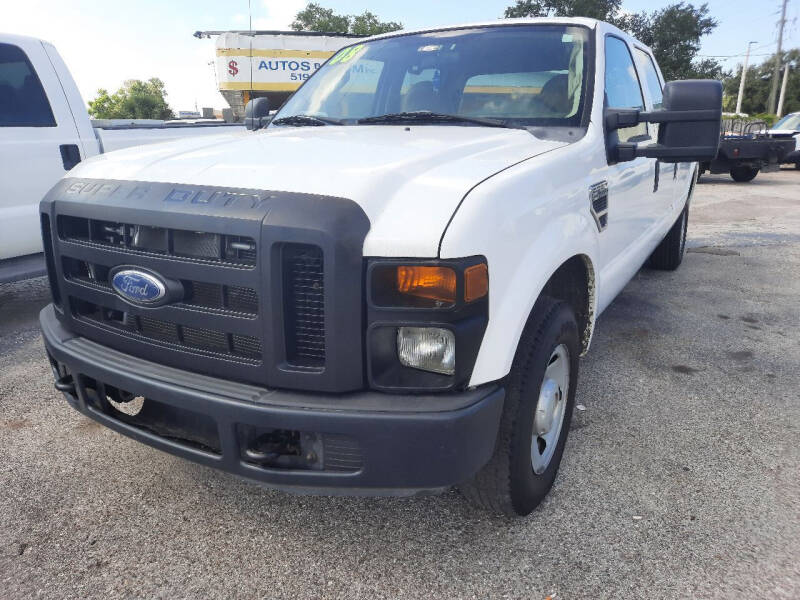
(525, 237)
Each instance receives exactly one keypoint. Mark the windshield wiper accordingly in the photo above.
(301, 120)
(426, 116)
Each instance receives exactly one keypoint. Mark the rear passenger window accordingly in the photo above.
(651, 79)
(622, 85)
(23, 102)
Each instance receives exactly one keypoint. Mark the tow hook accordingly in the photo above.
(283, 449)
(65, 384)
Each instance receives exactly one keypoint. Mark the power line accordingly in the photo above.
(731, 55)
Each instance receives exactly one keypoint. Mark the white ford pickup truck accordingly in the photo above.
(45, 131)
(385, 289)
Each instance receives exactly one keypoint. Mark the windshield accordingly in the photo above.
(532, 75)
(789, 122)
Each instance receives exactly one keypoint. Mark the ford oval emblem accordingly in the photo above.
(139, 287)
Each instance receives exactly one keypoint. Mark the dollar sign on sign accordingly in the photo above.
(232, 68)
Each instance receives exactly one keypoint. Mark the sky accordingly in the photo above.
(105, 42)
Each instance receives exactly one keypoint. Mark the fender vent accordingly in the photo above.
(598, 204)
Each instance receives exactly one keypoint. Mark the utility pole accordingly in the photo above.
(783, 90)
(741, 82)
(778, 59)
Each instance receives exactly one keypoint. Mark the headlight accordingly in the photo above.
(427, 348)
(425, 322)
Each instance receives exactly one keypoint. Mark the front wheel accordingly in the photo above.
(743, 174)
(540, 395)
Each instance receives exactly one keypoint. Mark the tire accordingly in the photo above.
(797, 165)
(508, 484)
(668, 255)
(743, 174)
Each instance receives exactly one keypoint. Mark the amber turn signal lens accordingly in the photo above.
(435, 283)
(476, 282)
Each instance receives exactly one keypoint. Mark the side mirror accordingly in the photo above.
(690, 124)
(256, 114)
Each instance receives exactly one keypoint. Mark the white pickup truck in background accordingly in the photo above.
(789, 126)
(45, 131)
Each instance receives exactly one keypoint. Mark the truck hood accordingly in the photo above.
(408, 180)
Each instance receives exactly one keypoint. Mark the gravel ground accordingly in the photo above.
(681, 477)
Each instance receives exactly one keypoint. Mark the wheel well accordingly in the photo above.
(574, 283)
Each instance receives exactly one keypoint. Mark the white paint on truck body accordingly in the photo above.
(444, 191)
(408, 181)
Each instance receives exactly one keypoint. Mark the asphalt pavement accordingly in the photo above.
(681, 476)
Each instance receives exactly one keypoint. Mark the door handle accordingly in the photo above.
(70, 155)
(657, 175)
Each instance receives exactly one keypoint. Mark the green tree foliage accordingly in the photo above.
(757, 86)
(369, 24)
(317, 18)
(674, 35)
(673, 32)
(595, 9)
(136, 99)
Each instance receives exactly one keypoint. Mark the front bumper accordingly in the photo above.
(372, 443)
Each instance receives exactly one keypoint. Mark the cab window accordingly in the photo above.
(541, 93)
(23, 102)
(526, 75)
(622, 86)
(648, 70)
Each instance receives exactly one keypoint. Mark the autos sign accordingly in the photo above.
(272, 63)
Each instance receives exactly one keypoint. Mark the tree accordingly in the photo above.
(757, 86)
(368, 24)
(673, 32)
(595, 9)
(136, 99)
(317, 18)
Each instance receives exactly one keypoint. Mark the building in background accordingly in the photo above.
(273, 64)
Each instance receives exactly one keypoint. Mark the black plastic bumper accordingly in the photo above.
(403, 444)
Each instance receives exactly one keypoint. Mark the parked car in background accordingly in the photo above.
(748, 148)
(44, 132)
(790, 126)
(386, 288)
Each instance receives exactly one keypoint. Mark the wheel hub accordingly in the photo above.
(546, 408)
(548, 418)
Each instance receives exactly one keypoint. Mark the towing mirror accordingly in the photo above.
(256, 114)
(689, 128)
